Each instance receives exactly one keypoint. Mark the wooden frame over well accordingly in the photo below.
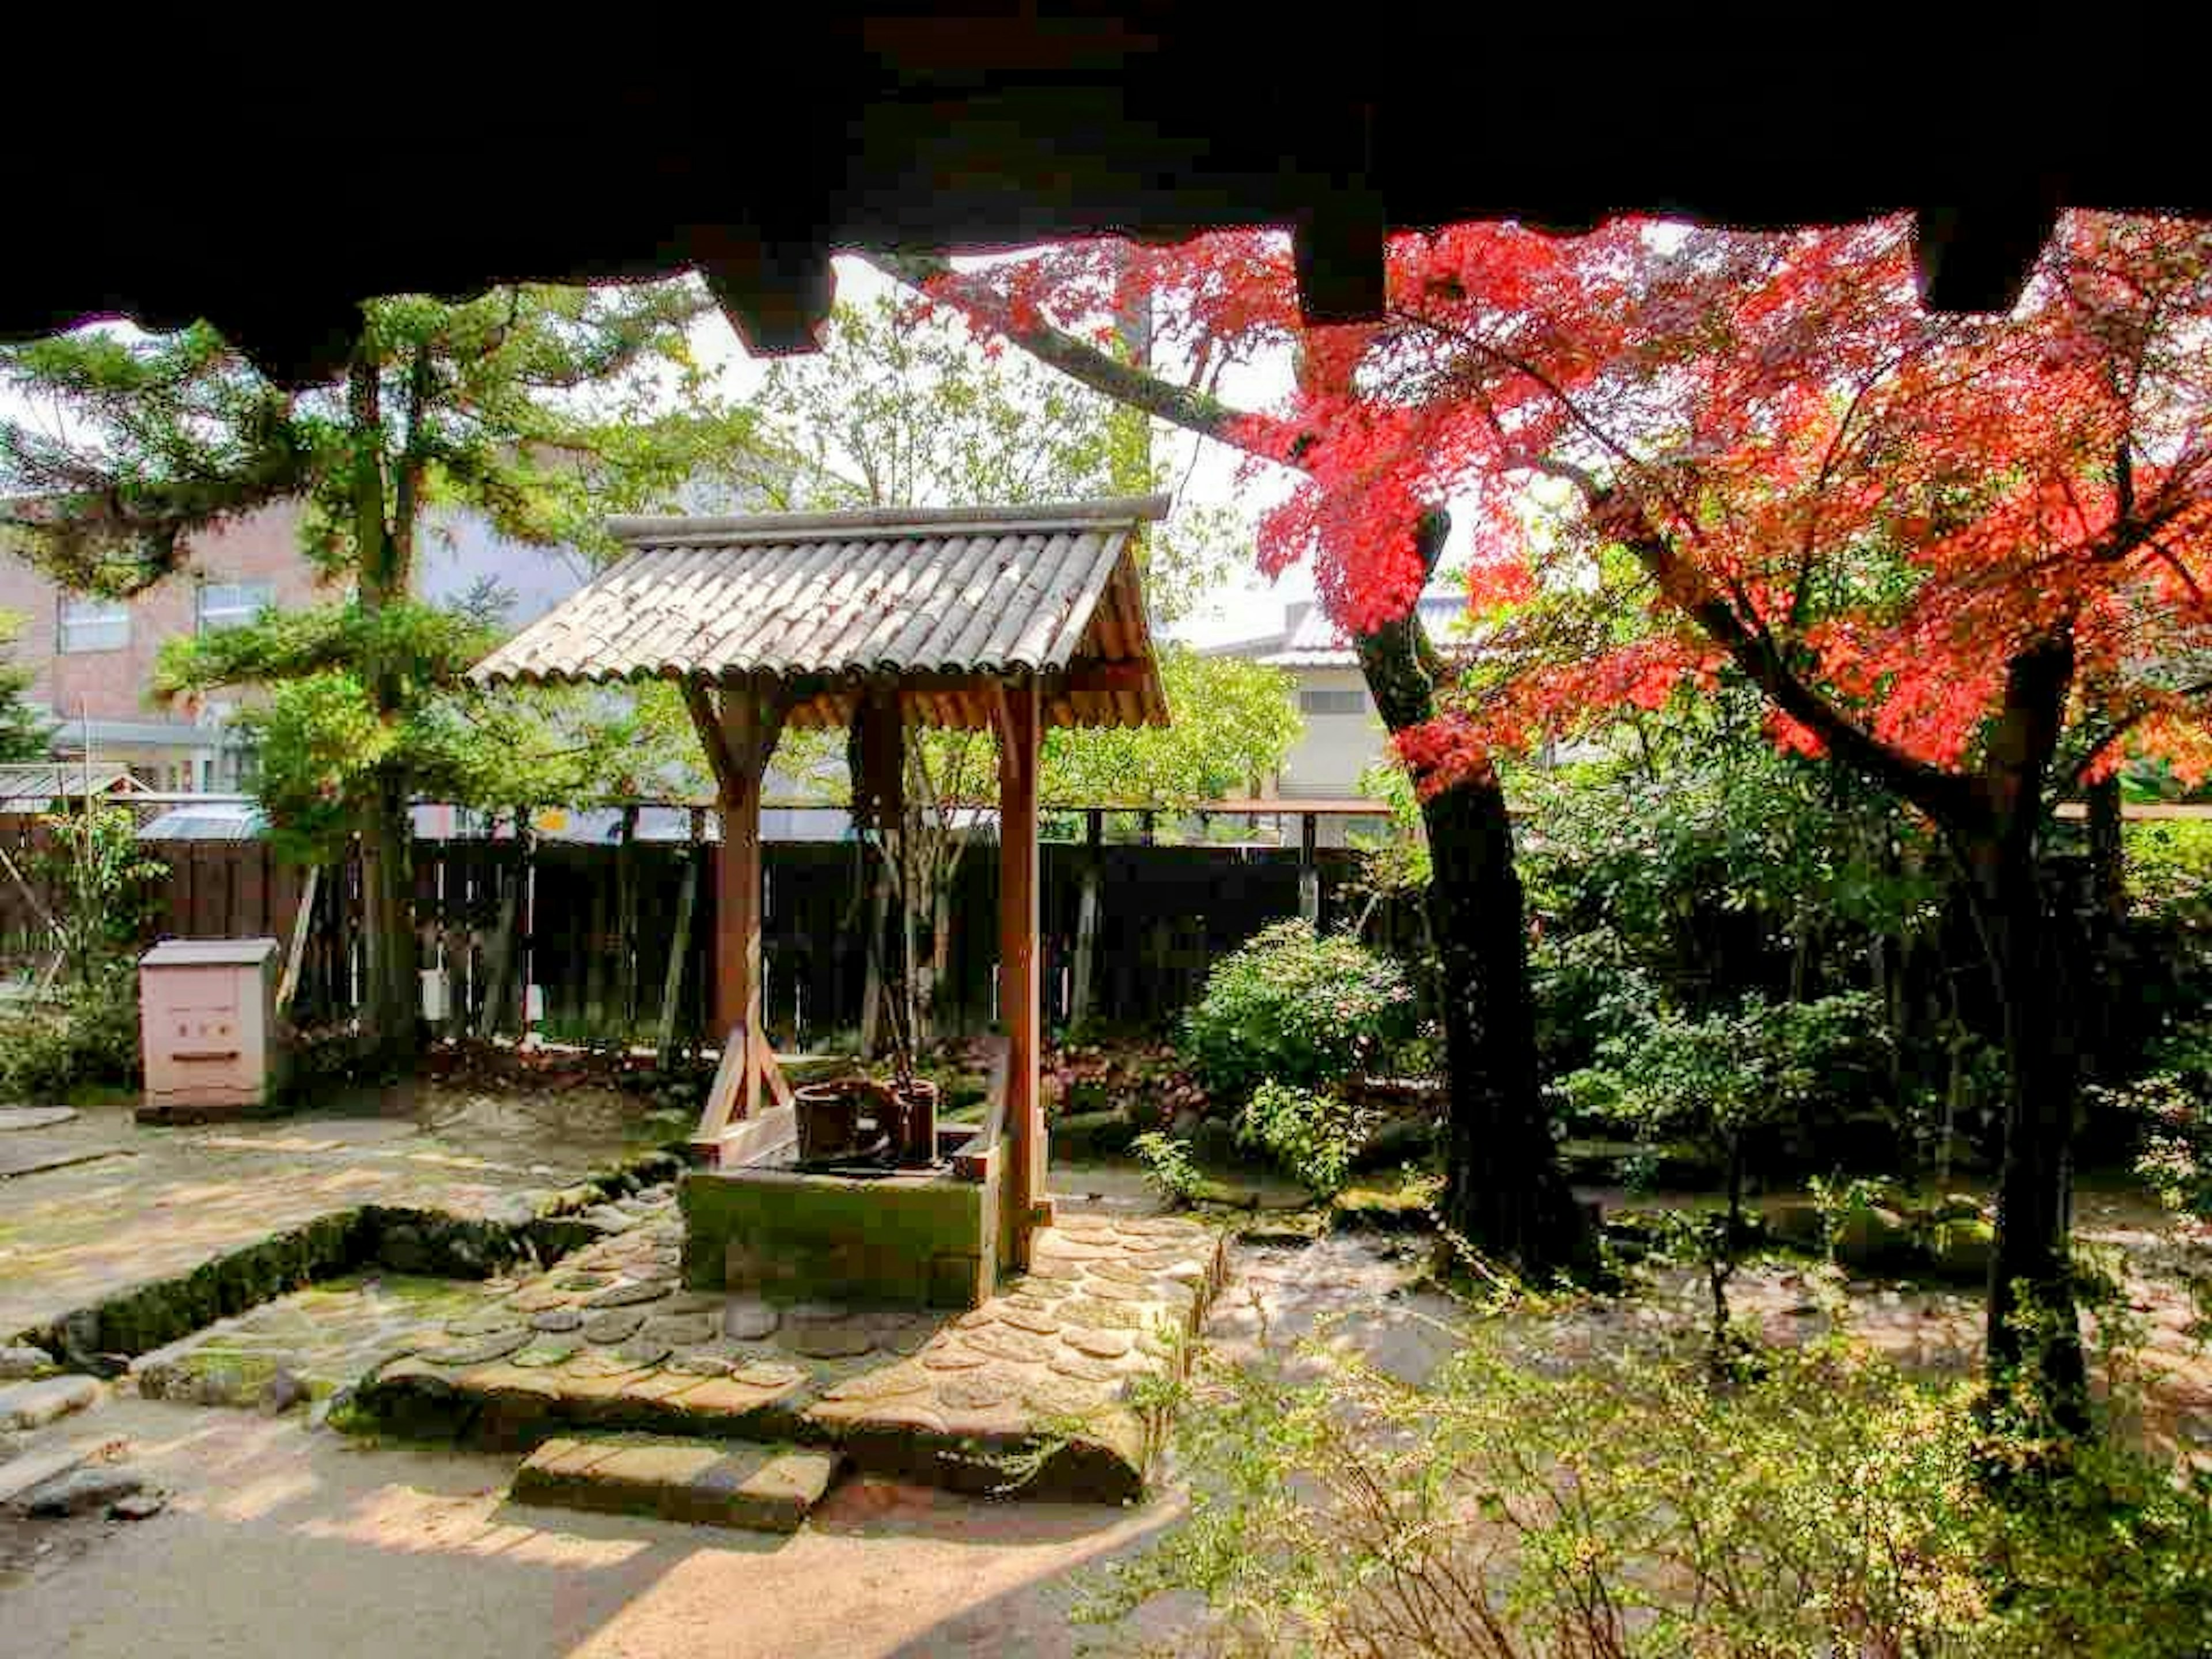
(1010, 619)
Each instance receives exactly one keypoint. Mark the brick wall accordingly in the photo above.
(262, 546)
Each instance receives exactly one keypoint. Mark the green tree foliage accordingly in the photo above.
(536, 409)
(23, 733)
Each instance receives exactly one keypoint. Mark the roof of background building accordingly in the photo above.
(932, 600)
(34, 787)
(1310, 640)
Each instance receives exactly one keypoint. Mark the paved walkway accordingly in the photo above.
(279, 1541)
(119, 1205)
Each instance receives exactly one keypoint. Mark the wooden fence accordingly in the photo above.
(586, 931)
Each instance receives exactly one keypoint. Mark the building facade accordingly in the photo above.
(1343, 734)
(92, 659)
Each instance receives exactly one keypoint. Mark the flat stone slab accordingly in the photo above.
(33, 1405)
(35, 1117)
(948, 1397)
(714, 1483)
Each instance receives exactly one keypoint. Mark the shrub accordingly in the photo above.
(1826, 1505)
(1314, 1137)
(93, 1038)
(1169, 1166)
(1295, 1007)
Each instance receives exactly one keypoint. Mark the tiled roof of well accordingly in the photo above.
(941, 601)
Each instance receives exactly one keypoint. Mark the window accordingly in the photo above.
(1332, 700)
(94, 625)
(227, 604)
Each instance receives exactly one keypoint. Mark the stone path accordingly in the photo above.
(1053, 1367)
(152, 1204)
(306, 1345)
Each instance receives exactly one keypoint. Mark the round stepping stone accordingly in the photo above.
(900, 1332)
(842, 1338)
(556, 1319)
(1062, 1395)
(630, 1293)
(951, 1357)
(616, 1325)
(1032, 1320)
(1101, 1247)
(601, 1363)
(750, 1320)
(1083, 1368)
(542, 1353)
(702, 1365)
(35, 1117)
(692, 1302)
(1099, 1345)
(767, 1374)
(476, 1350)
(1049, 1280)
(643, 1350)
(885, 1385)
(495, 1323)
(1113, 1290)
(816, 1313)
(681, 1330)
(976, 1391)
(1003, 1344)
(1103, 1315)
(1126, 1272)
(904, 1414)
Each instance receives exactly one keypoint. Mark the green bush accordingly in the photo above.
(1169, 1167)
(1721, 1078)
(1292, 1007)
(1314, 1137)
(91, 1039)
(1824, 1505)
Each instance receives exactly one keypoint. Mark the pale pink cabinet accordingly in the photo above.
(207, 1014)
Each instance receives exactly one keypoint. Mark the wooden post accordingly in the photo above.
(1309, 873)
(672, 992)
(1020, 990)
(738, 737)
(1087, 920)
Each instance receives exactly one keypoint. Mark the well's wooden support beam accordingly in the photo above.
(738, 728)
(1021, 1003)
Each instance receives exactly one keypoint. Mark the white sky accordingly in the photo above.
(1202, 471)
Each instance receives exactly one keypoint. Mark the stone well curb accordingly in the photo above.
(101, 1337)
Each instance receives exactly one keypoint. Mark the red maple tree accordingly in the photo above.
(1968, 556)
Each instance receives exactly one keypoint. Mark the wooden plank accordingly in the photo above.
(672, 988)
(1018, 720)
(288, 986)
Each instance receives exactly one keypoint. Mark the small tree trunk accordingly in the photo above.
(626, 905)
(2030, 1268)
(390, 999)
(1503, 1190)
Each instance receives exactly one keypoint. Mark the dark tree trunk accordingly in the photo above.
(2030, 1268)
(1504, 1191)
(384, 549)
